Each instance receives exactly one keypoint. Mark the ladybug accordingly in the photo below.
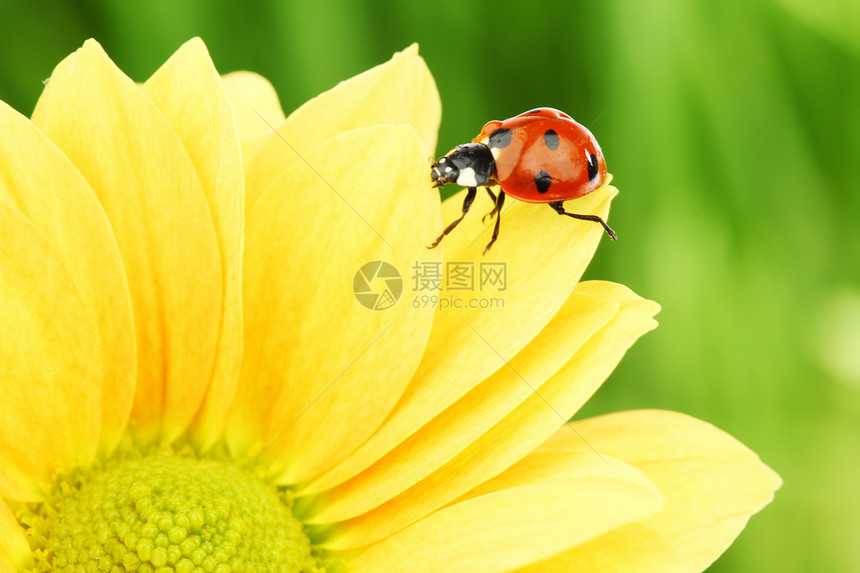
(540, 156)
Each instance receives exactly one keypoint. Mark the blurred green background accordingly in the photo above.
(733, 132)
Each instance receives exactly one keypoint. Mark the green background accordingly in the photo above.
(733, 132)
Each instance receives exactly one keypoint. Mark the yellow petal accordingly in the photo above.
(143, 177)
(251, 96)
(544, 260)
(630, 549)
(501, 529)
(189, 92)
(712, 483)
(14, 548)
(398, 91)
(518, 433)
(50, 364)
(256, 109)
(320, 370)
(633, 547)
(461, 424)
(42, 184)
(4, 568)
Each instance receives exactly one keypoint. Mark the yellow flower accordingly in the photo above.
(189, 382)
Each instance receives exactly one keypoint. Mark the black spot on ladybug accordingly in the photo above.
(550, 137)
(543, 181)
(500, 138)
(592, 166)
(535, 110)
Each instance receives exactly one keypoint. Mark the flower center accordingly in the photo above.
(164, 512)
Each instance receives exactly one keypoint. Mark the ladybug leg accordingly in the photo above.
(467, 202)
(498, 211)
(559, 208)
(495, 210)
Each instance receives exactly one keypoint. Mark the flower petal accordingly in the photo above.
(452, 431)
(41, 183)
(548, 509)
(632, 549)
(469, 344)
(252, 98)
(518, 433)
(14, 548)
(398, 91)
(143, 177)
(189, 92)
(50, 364)
(321, 371)
(712, 482)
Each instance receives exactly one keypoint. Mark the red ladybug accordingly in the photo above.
(540, 156)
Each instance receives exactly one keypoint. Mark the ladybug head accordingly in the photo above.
(469, 165)
(443, 171)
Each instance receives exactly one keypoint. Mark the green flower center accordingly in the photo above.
(164, 512)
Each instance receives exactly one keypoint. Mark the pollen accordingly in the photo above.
(164, 512)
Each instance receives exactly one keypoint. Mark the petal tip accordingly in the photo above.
(410, 50)
(91, 43)
(91, 46)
